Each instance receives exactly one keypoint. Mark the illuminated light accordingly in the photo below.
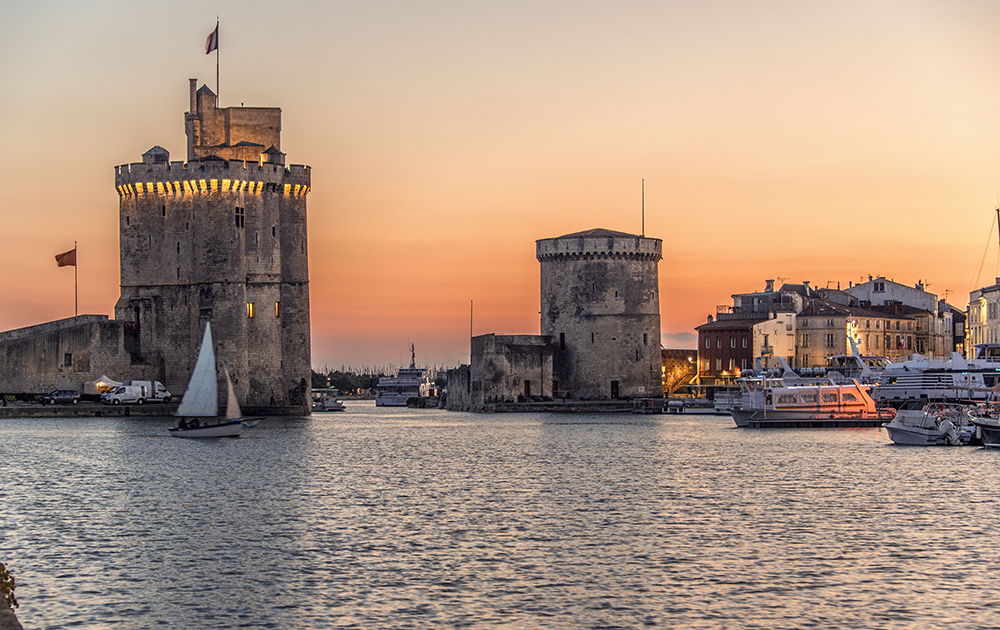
(249, 310)
(243, 185)
(159, 188)
(277, 309)
(288, 189)
(225, 185)
(177, 187)
(203, 185)
(215, 185)
(187, 186)
(298, 187)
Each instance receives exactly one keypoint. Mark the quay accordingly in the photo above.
(98, 410)
(823, 423)
(561, 406)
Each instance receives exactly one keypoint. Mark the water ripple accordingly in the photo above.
(426, 519)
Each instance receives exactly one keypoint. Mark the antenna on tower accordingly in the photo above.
(643, 231)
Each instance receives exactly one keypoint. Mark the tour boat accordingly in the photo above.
(822, 401)
(199, 409)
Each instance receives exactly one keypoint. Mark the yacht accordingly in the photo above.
(919, 381)
(409, 382)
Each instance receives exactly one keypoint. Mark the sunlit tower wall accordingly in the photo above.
(600, 304)
(220, 238)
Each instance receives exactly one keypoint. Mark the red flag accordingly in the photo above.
(67, 259)
(213, 40)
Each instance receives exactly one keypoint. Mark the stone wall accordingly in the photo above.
(510, 368)
(67, 354)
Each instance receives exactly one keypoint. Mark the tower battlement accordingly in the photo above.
(599, 244)
(206, 176)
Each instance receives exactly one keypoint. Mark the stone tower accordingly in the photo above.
(600, 305)
(221, 237)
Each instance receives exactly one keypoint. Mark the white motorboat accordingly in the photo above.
(409, 382)
(326, 400)
(199, 409)
(938, 424)
(819, 403)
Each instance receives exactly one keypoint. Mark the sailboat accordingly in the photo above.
(199, 409)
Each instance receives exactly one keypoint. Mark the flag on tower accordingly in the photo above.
(67, 259)
(213, 40)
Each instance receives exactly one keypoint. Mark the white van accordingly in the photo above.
(153, 391)
(124, 394)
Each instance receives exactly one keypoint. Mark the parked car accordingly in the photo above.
(62, 397)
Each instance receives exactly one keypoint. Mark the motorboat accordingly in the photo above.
(937, 424)
(199, 409)
(820, 403)
(987, 422)
(326, 400)
(409, 382)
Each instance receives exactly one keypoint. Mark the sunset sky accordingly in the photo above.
(787, 140)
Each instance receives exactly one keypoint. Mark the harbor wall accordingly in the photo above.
(66, 354)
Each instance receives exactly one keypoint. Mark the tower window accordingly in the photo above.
(163, 209)
(68, 360)
(645, 339)
(240, 217)
(249, 310)
(277, 309)
(273, 230)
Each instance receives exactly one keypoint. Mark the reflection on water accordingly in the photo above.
(379, 518)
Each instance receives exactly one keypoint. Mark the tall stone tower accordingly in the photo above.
(220, 238)
(600, 305)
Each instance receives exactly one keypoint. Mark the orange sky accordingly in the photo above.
(776, 140)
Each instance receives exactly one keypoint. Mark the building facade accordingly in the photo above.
(221, 238)
(937, 329)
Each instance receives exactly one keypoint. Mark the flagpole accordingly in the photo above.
(218, 98)
(76, 283)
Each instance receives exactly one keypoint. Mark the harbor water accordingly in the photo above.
(400, 518)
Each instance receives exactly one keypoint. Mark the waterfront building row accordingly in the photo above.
(804, 325)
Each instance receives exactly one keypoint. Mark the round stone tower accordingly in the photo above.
(600, 305)
(219, 238)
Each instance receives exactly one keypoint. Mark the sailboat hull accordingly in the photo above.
(224, 429)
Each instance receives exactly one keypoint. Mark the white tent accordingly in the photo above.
(100, 385)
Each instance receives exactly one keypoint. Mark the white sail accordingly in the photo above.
(233, 410)
(201, 400)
